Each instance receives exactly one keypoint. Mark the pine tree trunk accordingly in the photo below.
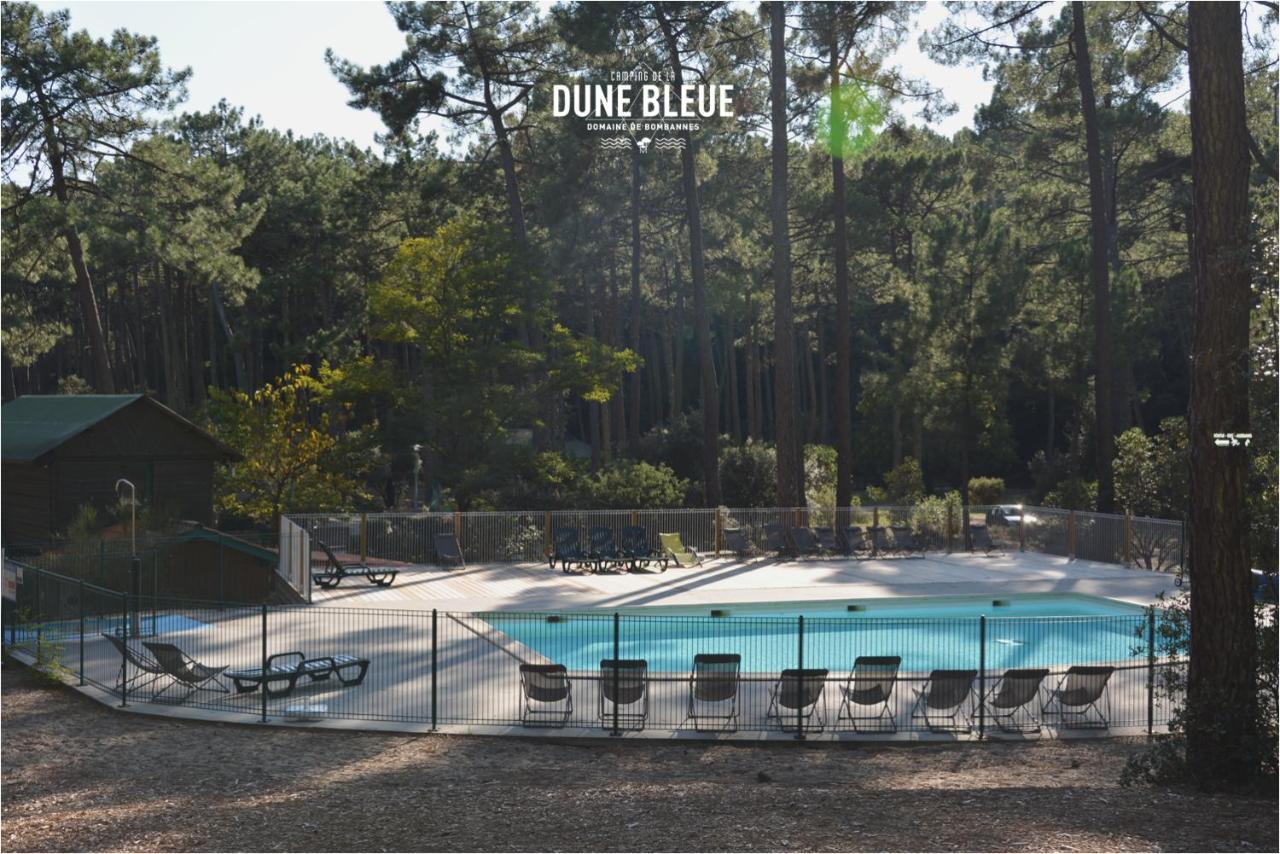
(1222, 695)
(784, 355)
(1099, 277)
(701, 312)
(844, 331)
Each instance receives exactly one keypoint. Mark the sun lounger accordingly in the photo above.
(870, 685)
(678, 551)
(713, 690)
(941, 702)
(448, 550)
(905, 541)
(135, 665)
(638, 552)
(805, 543)
(796, 701)
(1015, 690)
(604, 551)
(624, 689)
(1080, 691)
(548, 696)
(567, 549)
(736, 541)
(284, 669)
(336, 569)
(185, 670)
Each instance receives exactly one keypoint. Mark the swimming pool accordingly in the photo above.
(928, 633)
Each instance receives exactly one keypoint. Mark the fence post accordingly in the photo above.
(222, 583)
(1151, 671)
(1022, 529)
(982, 676)
(264, 662)
(124, 659)
(546, 533)
(457, 528)
(434, 645)
(1071, 535)
(364, 540)
(81, 631)
(875, 516)
(800, 676)
(616, 673)
(1128, 538)
(950, 521)
(719, 530)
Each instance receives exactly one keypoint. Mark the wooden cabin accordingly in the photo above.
(64, 451)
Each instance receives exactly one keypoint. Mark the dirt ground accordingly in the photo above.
(80, 776)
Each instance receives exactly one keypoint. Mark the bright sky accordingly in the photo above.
(268, 57)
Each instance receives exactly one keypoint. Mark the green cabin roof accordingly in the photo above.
(34, 424)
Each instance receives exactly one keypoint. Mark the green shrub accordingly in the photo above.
(1074, 493)
(626, 485)
(904, 483)
(748, 475)
(986, 490)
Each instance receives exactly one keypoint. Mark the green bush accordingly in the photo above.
(518, 478)
(986, 490)
(1074, 493)
(748, 475)
(820, 475)
(626, 485)
(678, 445)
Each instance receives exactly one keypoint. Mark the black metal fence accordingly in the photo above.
(608, 673)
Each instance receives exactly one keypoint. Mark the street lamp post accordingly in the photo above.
(417, 468)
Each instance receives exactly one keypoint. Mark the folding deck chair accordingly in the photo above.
(548, 696)
(678, 551)
(185, 670)
(941, 701)
(142, 663)
(870, 685)
(905, 541)
(805, 543)
(796, 701)
(880, 543)
(713, 685)
(1015, 690)
(336, 569)
(448, 550)
(828, 540)
(1080, 690)
(775, 539)
(856, 543)
(624, 689)
(638, 552)
(980, 538)
(735, 540)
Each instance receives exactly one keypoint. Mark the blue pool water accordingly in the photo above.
(933, 633)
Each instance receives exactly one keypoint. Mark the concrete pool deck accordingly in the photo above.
(535, 587)
(463, 674)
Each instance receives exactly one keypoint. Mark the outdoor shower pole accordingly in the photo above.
(124, 659)
(135, 563)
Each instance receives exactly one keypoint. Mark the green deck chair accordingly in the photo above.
(682, 555)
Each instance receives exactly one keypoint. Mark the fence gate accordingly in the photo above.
(295, 557)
